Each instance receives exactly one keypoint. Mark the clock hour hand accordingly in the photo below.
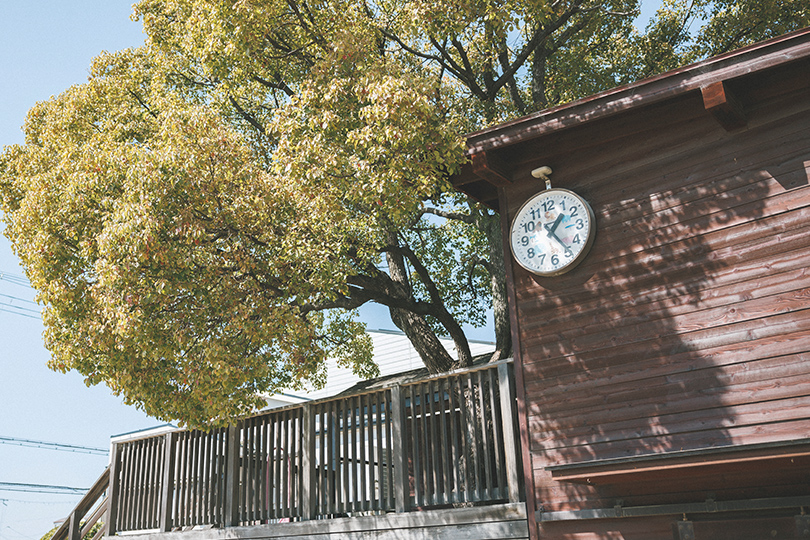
(553, 227)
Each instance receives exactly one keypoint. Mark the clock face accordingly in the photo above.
(552, 232)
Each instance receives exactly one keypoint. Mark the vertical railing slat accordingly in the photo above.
(115, 489)
(150, 522)
(416, 446)
(344, 455)
(194, 479)
(308, 463)
(184, 474)
(361, 441)
(272, 478)
(497, 435)
(426, 438)
(200, 479)
(132, 507)
(167, 487)
(288, 448)
(334, 457)
(483, 377)
(510, 445)
(444, 446)
(399, 457)
(262, 479)
(474, 437)
(231, 517)
(451, 439)
(380, 453)
(323, 491)
(140, 481)
(389, 453)
(132, 493)
(353, 456)
(277, 453)
(143, 475)
(352, 463)
(372, 499)
(299, 467)
(130, 488)
(247, 472)
(435, 446)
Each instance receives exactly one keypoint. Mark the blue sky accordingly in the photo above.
(46, 47)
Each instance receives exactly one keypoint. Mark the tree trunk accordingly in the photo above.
(539, 98)
(419, 333)
(424, 340)
(490, 224)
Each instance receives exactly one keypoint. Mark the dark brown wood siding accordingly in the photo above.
(687, 327)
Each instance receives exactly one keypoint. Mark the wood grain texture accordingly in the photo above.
(688, 325)
(501, 522)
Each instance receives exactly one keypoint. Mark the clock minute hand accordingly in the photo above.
(550, 230)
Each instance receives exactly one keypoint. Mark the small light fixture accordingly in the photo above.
(542, 174)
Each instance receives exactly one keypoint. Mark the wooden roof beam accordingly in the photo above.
(723, 105)
(488, 166)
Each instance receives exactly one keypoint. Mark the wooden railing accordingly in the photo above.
(87, 513)
(443, 441)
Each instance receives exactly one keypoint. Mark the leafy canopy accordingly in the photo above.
(203, 216)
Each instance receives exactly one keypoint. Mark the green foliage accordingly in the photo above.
(203, 216)
(89, 536)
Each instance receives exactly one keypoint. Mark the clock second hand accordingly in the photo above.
(550, 230)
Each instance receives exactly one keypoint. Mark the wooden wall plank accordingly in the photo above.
(688, 325)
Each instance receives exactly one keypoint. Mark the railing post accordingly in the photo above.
(167, 486)
(232, 478)
(74, 526)
(399, 458)
(115, 490)
(308, 464)
(510, 445)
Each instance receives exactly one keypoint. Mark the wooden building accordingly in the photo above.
(663, 382)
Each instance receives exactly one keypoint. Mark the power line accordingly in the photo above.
(12, 298)
(7, 301)
(53, 446)
(21, 314)
(41, 488)
(22, 310)
(16, 279)
(8, 304)
(4, 500)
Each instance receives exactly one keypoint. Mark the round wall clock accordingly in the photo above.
(552, 232)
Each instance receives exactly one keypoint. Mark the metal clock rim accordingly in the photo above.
(580, 256)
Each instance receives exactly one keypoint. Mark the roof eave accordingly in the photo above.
(760, 56)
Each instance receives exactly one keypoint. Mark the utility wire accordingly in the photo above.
(16, 279)
(9, 304)
(4, 500)
(20, 313)
(41, 488)
(53, 446)
(18, 299)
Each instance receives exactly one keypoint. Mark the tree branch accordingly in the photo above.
(246, 115)
(541, 34)
(280, 85)
(439, 310)
(466, 218)
(142, 103)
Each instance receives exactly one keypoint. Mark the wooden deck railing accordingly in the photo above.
(87, 513)
(442, 441)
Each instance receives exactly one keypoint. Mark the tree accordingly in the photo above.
(203, 217)
(88, 536)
